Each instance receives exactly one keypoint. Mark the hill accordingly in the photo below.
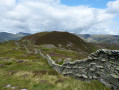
(61, 39)
(100, 38)
(22, 67)
(4, 36)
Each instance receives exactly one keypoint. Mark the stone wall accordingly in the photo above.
(103, 65)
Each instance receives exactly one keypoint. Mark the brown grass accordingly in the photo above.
(62, 38)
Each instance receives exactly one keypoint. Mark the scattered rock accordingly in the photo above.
(101, 67)
(13, 87)
(103, 60)
(117, 69)
(8, 85)
(23, 89)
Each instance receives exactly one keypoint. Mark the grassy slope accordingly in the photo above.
(9, 36)
(62, 38)
(100, 38)
(32, 72)
(110, 46)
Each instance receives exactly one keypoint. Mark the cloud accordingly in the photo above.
(48, 15)
(113, 6)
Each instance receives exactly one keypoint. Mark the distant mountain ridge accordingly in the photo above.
(24, 34)
(4, 36)
(100, 38)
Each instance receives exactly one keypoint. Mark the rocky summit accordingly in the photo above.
(102, 65)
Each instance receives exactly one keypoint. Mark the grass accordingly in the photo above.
(45, 82)
(30, 71)
(63, 53)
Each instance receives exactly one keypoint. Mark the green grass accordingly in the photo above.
(30, 71)
(47, 82)
(63, 53)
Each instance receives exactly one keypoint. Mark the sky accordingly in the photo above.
(91, 3)
(75, 16)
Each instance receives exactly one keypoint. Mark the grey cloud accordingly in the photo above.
(47, 15)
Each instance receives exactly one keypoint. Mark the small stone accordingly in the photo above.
(90, 77)
(115, 76)
(103, 60)
(23, 89)
(8, 85)
(95, 77)
(84, 76)
(101, 67)
(80, 67)
(13, 87)
(117, 69)
(93, 63)
(92, 69)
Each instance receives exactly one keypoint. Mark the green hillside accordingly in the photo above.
(63, 39)
(4, 36)
(21, 67)
(100, 38)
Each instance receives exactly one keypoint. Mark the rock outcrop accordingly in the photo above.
(103, 65)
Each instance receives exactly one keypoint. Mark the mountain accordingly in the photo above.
(4, 36)
(100, 38)
(24, 34)
(63, 39)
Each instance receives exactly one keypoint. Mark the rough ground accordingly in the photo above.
(22, 67)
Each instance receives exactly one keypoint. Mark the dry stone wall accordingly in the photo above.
(103, 65)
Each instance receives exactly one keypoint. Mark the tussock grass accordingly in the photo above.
(30, 71)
